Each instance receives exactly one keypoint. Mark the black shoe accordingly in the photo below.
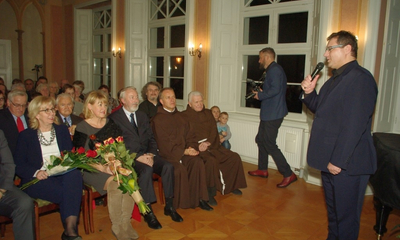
(204, 205)
(152, 221)
(212, 201)
(174, 215)
(237, 192)
(65, 237)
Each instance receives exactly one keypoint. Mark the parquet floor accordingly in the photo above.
(262, 212)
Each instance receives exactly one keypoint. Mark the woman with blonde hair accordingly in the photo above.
(96, 128)
(53, 89)
(35, 145)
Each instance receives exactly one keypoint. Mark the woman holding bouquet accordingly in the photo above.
(34, 147)
(95, 129)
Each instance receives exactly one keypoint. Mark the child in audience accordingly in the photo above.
(215, 112)
(224, 130)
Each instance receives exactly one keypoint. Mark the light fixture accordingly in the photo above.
(193, 52)
(116, 53)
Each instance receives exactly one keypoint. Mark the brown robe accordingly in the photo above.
(203, 125)
(171, 134)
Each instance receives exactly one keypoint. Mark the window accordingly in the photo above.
(102, 47)
(167, 44)
(284, 26)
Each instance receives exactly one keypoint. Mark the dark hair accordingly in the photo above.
(269, 51)
(346, 38)
(144, 89)
(104, 86)
(164, 89)
(16, 80)
(67, 86)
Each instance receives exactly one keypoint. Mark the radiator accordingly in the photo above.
(289, 141)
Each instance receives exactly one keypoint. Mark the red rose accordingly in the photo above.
(119, 139)
(92, 137)
(91, 153)
(111, 141)
(97, 145)
(81, 150)
(73, 150)
(108, 141)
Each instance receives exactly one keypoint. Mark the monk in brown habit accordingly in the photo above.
(222, 165)
(171, 132)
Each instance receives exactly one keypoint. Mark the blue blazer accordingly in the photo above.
(28, 156)
(341, 131)
(273, 96)
(9, 127)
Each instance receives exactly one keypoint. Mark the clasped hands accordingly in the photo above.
(193, 152)
(147, 158)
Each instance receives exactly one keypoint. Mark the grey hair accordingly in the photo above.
(122, 92)
(15, 93)
(64, 95)
(194, 93)
(39, 87)
(16, 85)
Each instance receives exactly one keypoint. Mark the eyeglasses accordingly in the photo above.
(18, 105)
(48, 110)
(333, 47)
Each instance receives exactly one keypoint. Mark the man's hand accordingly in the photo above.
(191, 152)
(203, 146)
(256, 96)
(146, 159)
(333, 169)
(308, 85)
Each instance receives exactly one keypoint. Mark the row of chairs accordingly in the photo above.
(89, 194)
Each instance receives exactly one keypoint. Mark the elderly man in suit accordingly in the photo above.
(273, 110)
(64, 107)
(14, 119)
(138, 137)
(341, 144)
(14, 203)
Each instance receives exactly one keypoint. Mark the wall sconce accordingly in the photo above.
(193, 52)
(116, 53)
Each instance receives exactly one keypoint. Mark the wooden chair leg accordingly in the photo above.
(90, 207)
(85, 209)
(158, 178)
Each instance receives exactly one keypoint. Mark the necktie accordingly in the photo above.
(66, 122)
(134, 123)
(20, 125)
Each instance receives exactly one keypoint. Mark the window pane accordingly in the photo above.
(108, 66)
(108, 43)
(177, 36)
(264, 2)
(176, 66)
(177, 85)
(179, 10)
(98, 66)
(294, 66)
(158, 11)
(97, 81)
(107, 18)
(292, 98)
(256, 30)
(157, 38)
(97, 43)
(156, 66)
(293, 27)
(253, 72)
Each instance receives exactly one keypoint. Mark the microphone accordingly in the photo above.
(317, 69)
(250, 96)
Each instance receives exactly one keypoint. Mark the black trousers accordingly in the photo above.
(266, 141)
(145, 181)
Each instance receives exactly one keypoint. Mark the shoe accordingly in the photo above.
(65, 237)
(287, 181)
(237, 192)
(174, 215)
(204, 205)
(212, 201)
(259, 173)
(152, 221)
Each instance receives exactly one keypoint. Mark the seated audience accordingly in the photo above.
(14, 203)
(2, 100)
(78, 106)
(34, 148)
(224, 130)
(43, 89)
(81, 84)
(29, 84)
(112, 102)
(53, 88)
(215, 112)
(217, 158)
(150, 102)
(173, 138)
(41, 80)
(3, 89)
(18, 86)
(96, 123)
(64, 107)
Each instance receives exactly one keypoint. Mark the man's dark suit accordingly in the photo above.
(9, 127)
(74, 119)
(341, 135)
(15, 203)
(143, 143)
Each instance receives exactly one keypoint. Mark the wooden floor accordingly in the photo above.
(262, 212)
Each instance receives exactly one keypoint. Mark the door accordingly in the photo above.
(5, 61)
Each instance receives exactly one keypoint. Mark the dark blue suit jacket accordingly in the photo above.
(273, 96)
(28, 156)
(341, 131)
(9, 127)
(139, 144)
